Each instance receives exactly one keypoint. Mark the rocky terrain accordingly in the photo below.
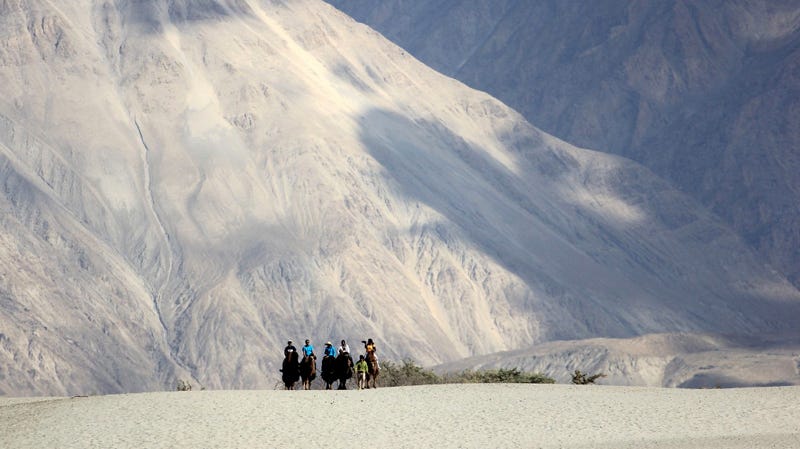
(188, 184)
(655, 360)
(705, 94)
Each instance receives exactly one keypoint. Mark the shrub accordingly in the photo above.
(579, 378)
(409, 373)
(513, 375)
(184, 385)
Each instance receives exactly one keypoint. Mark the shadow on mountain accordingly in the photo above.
(612, 283)
(488, 203)
(703, 380)
(469, 188)
(700, 94)
(151, 15)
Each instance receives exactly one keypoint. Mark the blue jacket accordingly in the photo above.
(308, 350)
(330, 350)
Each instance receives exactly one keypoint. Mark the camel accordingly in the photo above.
(290, 371)
(344, 369)
(328, 369)
(308, 370)
(373, 370)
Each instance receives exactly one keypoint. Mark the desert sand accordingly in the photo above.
(442, 416)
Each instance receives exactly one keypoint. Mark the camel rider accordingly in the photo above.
(370, 347)
(344, 347)
(308, 350)
(288, 349)
(330, 351)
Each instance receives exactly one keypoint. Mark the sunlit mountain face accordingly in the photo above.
(188, 185)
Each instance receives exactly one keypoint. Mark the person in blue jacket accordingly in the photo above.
(308, 350)
(330, 350)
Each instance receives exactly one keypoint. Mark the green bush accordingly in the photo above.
(579, 378)
(507, 376)
(409, 373)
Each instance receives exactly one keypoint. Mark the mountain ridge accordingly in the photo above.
(703, 94)
(207, 180)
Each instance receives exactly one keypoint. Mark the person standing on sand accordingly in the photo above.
(361, 372)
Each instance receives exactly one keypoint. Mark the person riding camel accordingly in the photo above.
(330, 351)
(344, 347)
(308, 350)
(288, 349)
(370, 347)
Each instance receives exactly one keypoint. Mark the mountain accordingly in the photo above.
(681, 360)
(705, 94)
(188, 184)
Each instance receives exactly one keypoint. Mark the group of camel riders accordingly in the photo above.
(363, 369)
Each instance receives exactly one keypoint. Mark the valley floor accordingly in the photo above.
(442, 416)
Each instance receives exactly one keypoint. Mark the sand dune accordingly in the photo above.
(444, 416)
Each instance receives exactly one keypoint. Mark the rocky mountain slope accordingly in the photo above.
(656, 360)
(706, 94)
(188, 184)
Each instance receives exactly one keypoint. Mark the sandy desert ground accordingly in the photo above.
(443, 416)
